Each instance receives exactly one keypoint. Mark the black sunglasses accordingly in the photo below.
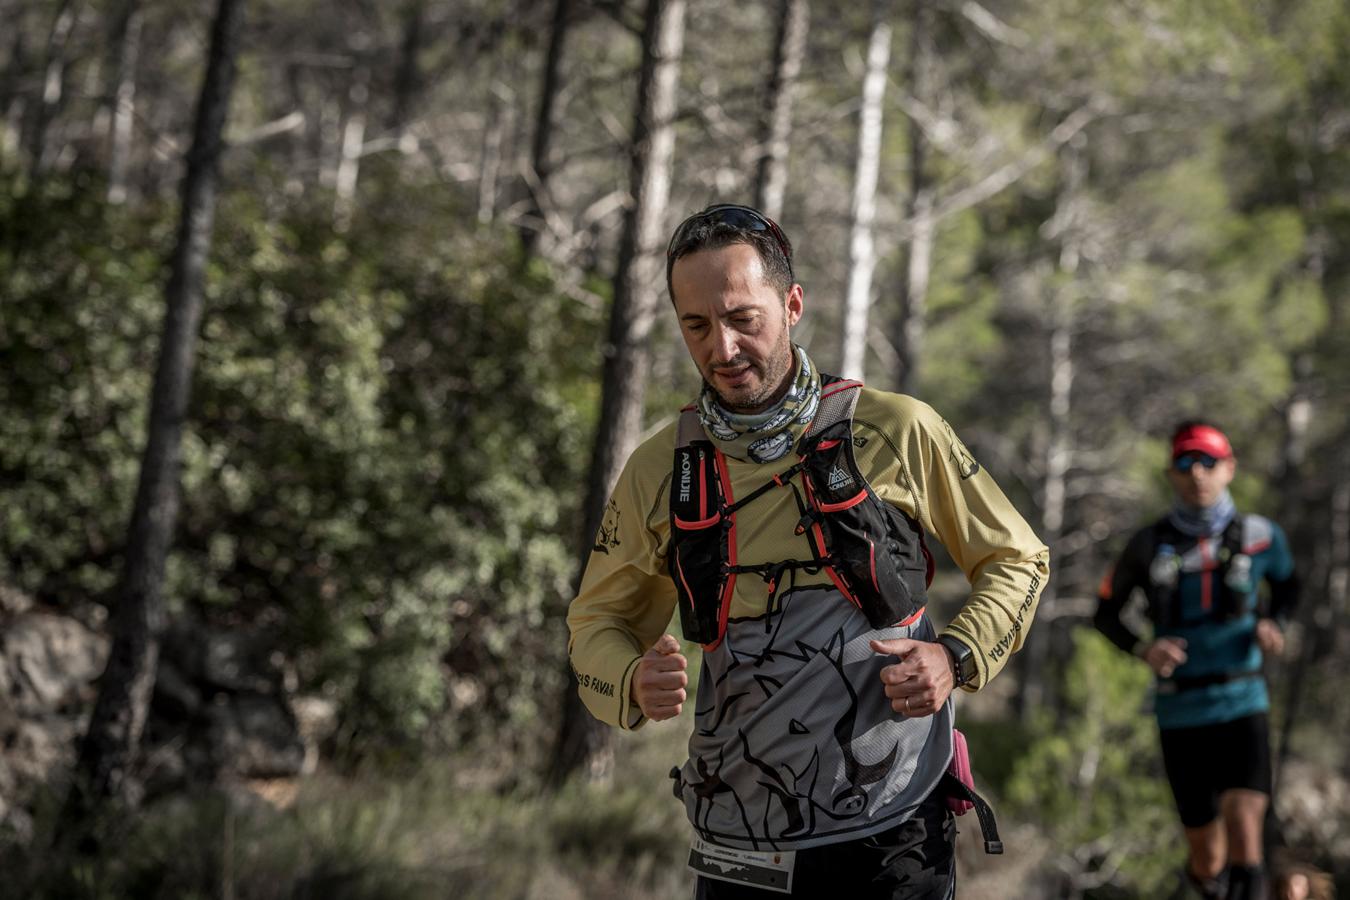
(741, 218)
(1185, 463)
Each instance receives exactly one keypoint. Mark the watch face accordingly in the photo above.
(963, 659)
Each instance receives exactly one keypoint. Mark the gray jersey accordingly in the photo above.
(795, 744)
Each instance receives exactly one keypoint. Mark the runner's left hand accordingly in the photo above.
(920, 682)
(1269, 637)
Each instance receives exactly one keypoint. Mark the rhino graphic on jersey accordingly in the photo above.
(795, 743)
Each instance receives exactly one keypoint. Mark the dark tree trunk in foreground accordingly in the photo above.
(105, 770)
(534, 220)
(776, 129)
(583, 743)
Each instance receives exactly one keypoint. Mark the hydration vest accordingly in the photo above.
(1231, 584)
(872, 552)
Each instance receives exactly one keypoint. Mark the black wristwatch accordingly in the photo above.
(963, 659)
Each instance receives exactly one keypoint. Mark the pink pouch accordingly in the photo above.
(960, 770)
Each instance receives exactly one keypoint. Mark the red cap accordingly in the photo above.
(1202, 439)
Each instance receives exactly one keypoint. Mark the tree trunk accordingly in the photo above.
(909, 329)
(122, 99)
(1059, 447)
(583, 743)
(1298, 494)
(776, 128)
(14, 99)
(1322, 613)
(408, 78)
(862, 252)
(353, 143)
(53, 85)
(490, 159)
(539, 202)
(107, 755)
(1338, 569)
(327, 136)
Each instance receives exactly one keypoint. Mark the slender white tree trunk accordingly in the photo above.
(1059, 445)
(124, 108)
(490, 165)
(862, 251)
(353, 142)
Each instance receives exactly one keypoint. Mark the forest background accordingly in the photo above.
(411, 257)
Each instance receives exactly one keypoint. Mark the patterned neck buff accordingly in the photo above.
(1203, 521)
(767, 436)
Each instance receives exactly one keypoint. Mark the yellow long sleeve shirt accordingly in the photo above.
(912, 459)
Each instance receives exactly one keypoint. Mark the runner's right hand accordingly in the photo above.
(1165, 654)
(658, 685)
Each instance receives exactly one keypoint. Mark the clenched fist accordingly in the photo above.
(658, 685)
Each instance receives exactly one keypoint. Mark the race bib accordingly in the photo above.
(769, 871)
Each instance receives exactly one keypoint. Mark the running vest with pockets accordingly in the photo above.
(1231, 579)
(872, 552)
(1231, 585)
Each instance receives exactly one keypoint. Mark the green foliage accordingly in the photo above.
(1093, 780)
(386, 437)
(450, 829)
(82, 306)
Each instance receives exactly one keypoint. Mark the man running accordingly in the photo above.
(786, 513)
(1200, 567)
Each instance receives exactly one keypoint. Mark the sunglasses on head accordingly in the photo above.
(741, 218)
(1188, 461)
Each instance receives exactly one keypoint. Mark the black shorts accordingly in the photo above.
(915, 860)
(1205, 761)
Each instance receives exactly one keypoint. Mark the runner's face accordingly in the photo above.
(736, 325)
(1202, 487)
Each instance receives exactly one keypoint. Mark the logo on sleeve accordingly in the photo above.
(960, 457)
(607, 537)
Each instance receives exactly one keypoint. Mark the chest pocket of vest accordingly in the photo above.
(700, 529)
(876, 555)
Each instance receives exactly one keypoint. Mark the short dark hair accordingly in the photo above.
(712, 235)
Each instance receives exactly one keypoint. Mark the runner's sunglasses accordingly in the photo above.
(1188, 461)
(741, 218)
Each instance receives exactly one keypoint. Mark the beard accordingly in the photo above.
(774, 379)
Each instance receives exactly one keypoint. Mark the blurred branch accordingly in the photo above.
(289, 122)
(613, 202)
(1011, 173)
(993, 27)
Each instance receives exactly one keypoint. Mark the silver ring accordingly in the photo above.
(907, 704)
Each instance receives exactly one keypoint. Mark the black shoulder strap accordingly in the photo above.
(1164, 532)
(689, 429)
(1233, 538)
